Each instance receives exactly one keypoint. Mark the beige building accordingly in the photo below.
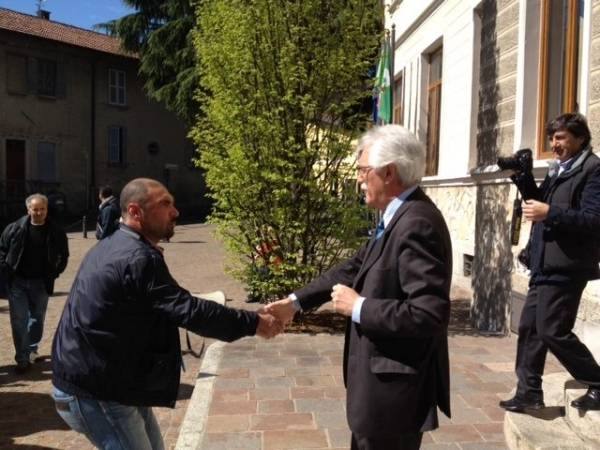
(74, 116)
(478, 79)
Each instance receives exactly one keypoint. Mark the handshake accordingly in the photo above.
(274, 316)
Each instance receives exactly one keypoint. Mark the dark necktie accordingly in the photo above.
(379, 230)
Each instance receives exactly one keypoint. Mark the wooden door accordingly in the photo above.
(15, 167)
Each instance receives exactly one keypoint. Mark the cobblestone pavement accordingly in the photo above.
(281, 394)
(288, 394)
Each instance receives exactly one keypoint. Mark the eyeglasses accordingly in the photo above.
(364, 170)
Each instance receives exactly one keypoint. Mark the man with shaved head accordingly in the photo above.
(116, 352)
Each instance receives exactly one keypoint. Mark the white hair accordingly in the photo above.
(37, 196)
(394, 144)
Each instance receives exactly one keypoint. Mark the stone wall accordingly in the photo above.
(497, 80)
(457, 204)
(493, 257)
(66, 121)
(594, 80)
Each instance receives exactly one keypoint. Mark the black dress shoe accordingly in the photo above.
(521, 404)
(588, 402)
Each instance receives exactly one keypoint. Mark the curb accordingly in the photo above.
(194, 423)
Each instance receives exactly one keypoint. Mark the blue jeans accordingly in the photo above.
(110, 425)
(27, 300)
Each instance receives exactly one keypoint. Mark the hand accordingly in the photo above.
(535, 211)
(283, 310)
(343, 299)
(268, 326)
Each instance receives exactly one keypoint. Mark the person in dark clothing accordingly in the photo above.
(109, 213)
(563, 254)
(116, 351)
(33, 253)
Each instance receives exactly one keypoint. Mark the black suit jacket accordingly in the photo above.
(396, 366)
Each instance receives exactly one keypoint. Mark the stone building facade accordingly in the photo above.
(478, 79)
(74, 117)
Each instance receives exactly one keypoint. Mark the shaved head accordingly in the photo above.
(136, 191)
(148, 208)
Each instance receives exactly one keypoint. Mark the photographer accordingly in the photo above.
(562, 254)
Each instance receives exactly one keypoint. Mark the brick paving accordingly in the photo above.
(286, 393)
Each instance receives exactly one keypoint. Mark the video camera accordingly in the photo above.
(521, 161)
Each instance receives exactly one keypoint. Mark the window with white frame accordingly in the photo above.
(116, 87)
(116, 145)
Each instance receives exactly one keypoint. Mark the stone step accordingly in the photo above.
(554, 388)
(585, 424)
(526, 432)
(546, 429)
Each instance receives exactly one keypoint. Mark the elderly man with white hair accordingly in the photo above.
(395, 293)
(33, 252)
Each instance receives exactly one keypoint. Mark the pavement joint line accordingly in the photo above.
(193, 427)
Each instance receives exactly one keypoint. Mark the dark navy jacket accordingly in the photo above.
(118, 338)
(108, 218)
(566, 245)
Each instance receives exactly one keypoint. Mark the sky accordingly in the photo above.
(81, 13)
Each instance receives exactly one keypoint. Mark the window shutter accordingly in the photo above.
(113, 144)
(61, 81)
(123, 144)
(46, 161)
(32, 75)
(16, 74)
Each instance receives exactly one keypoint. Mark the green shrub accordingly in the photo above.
(284, 83)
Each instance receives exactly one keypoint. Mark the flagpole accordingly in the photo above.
(386, 43)
(392, 72)
(383, 85)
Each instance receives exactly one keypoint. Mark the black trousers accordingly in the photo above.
(546, 324)
(404, 442)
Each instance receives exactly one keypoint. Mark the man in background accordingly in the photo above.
(109, 213)
(33, 253)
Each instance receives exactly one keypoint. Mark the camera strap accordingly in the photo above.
(515, 224)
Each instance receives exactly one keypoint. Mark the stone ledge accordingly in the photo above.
(588, 327)
(586, 425)
(525, 432)
(194, 422)
(556, 427)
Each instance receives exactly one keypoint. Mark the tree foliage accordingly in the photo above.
(283, 83)
(160, 31)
